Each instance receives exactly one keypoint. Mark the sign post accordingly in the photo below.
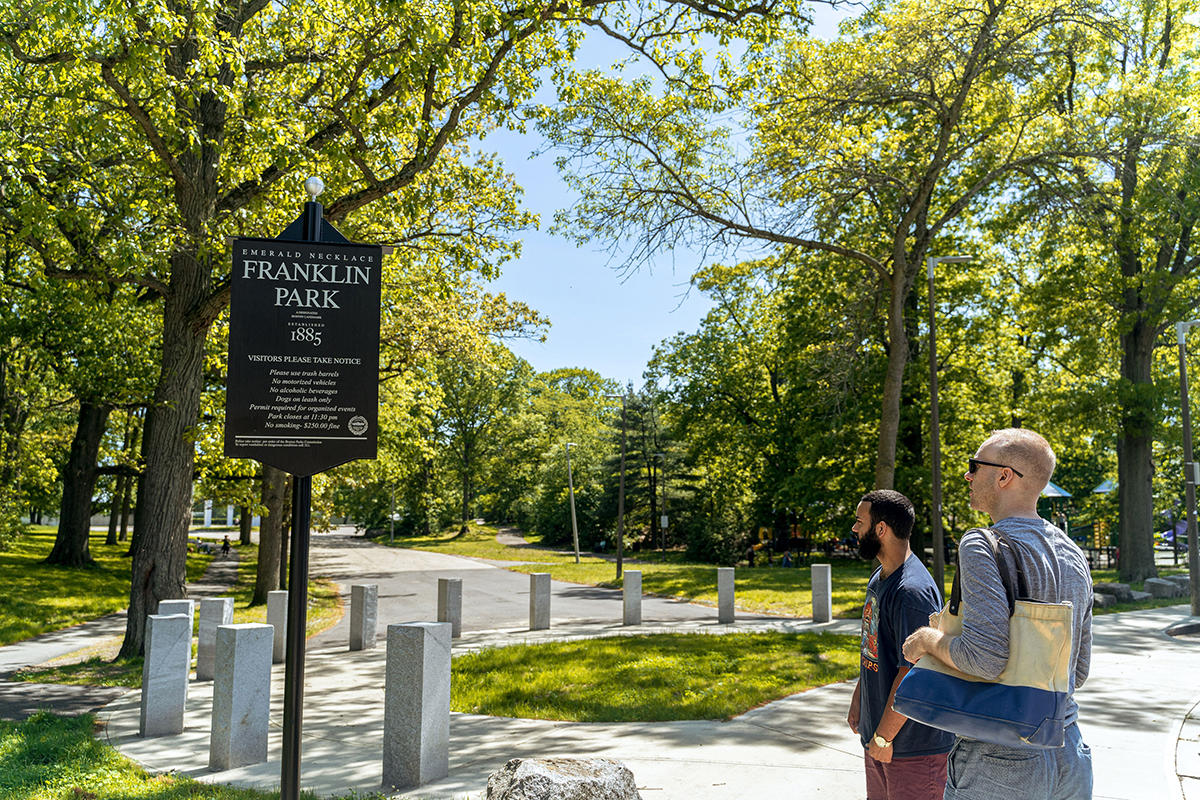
(303, 389)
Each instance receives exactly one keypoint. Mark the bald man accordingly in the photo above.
(1006, 476)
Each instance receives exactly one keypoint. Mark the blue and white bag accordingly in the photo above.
(1026, 706)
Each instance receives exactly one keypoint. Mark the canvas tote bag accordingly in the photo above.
(1027, 705)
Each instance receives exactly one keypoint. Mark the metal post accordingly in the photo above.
(571, 491)
(621, 490)
(621, 498)
(293, 681)
(935, 449)
(935, 444)
(1189, 466)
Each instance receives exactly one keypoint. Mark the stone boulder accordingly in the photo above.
(1140, 596)
(1160, 587)
(1183, 581)
(562, 779)
(1121, 591)
(1100, 600)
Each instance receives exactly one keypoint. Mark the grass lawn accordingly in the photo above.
(58, 758)
(39, 597)
(97, 667)
(649, 678)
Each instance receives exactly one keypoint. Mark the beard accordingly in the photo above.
(869, 546)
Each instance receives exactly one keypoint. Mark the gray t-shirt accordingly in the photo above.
(1055, 570)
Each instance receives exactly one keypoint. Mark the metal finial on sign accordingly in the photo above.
(314, 186)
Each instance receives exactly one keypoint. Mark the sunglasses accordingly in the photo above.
(973, 465)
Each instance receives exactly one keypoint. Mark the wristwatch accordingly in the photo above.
(881, 742)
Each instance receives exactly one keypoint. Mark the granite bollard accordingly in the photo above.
(416, 706)
(241, 702)
(168, 608)
(450, 604)
(165, 674)
(214, 612)
(724, 594)
(277, 614)
(822, 592)
(364, 613)
(633, 597)
(539, 601)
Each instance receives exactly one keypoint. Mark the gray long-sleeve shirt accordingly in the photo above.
(1055, 570)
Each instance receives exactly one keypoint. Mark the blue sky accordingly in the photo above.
(600, 318)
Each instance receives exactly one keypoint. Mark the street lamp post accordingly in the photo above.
(935, 445)
(621, 491)
(1190, 468)
(571, 490)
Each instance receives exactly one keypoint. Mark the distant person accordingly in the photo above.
(903, 759)
(787, 559)
(225, 547)
(750, 556)
(1006, 477)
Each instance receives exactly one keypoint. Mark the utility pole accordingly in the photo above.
(571, 491)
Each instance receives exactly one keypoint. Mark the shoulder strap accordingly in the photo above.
(1012, 564)
(1003, 565)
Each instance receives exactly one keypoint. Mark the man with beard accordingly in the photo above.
(904, 760)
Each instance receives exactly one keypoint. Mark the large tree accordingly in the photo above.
(874, 147)
(229, 107)
(1120, 264)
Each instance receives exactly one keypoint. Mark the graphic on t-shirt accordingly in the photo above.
(870, 633)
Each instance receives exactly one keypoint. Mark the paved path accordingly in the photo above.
(493, 598)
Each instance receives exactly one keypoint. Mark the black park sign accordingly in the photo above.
(303, 386)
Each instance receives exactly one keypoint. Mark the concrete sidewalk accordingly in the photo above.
(772, 751)
(1134, 708)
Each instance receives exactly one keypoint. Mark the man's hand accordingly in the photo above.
(881, 754)
(922, 641)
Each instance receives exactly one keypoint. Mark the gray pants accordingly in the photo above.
(983, 771)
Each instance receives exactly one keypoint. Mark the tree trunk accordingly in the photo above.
(466, 485)
(245, 525)
(131, 482)
(1135, 467)
(79, 482)
(165, 490)
(121, 488)
(893, 382)
(114, 510)
(126, 508)
(270, 535)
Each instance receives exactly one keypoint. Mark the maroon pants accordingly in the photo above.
(916, 778)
